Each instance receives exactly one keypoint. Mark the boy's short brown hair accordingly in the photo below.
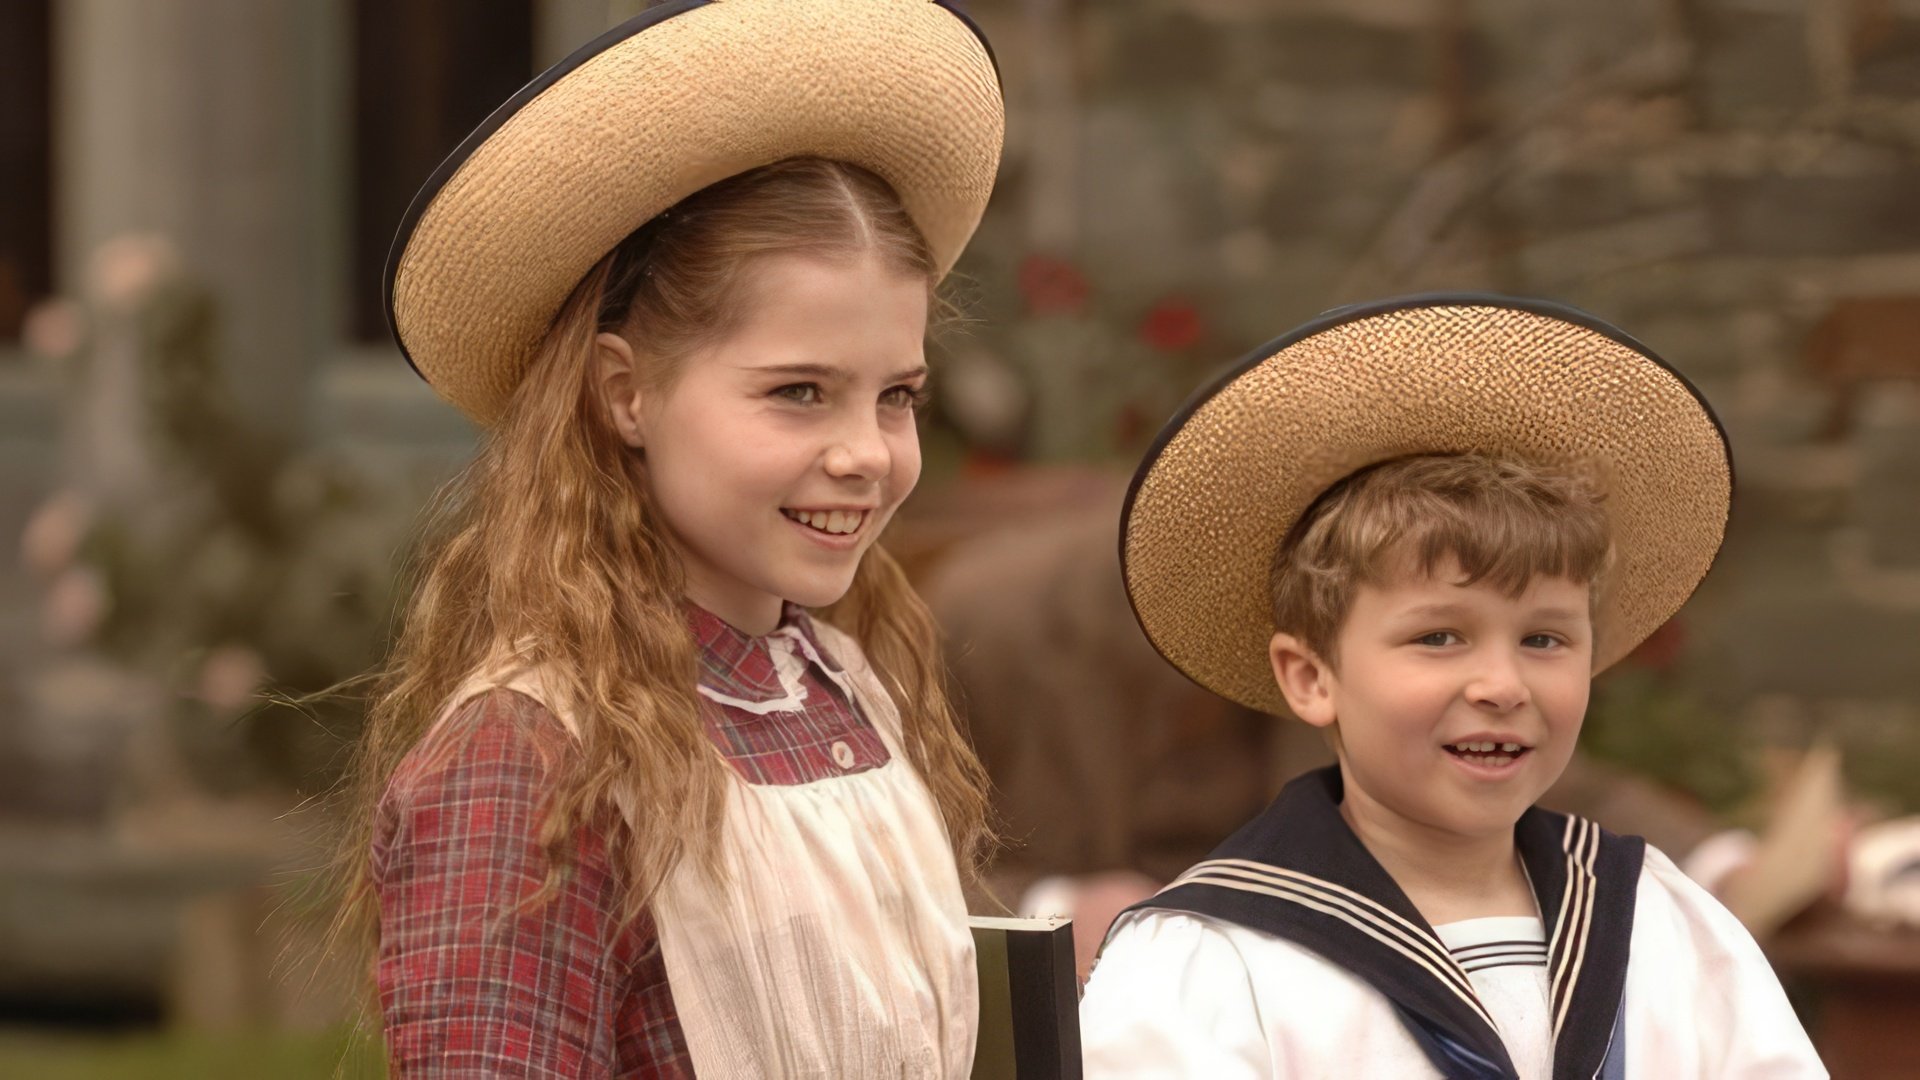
(1504, 520)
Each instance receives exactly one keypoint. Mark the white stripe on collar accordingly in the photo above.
(1361, 912)
(1567, 949)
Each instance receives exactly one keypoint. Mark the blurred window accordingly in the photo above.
(26, 159)
(426, 72)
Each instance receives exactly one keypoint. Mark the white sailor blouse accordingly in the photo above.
(1291, 952)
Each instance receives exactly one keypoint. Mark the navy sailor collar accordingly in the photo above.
(1298, 872)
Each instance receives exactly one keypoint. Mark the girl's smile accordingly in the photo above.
(830, 523)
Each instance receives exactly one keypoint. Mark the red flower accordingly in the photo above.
(1662, 648)
(986, 464)
(1172, 326)
(1130, 426)
(1052, 286)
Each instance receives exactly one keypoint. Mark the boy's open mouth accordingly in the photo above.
(836, 522)
(1492, 755)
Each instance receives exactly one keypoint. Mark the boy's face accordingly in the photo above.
(1458, 705)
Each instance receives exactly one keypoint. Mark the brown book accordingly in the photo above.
(1029, 1000)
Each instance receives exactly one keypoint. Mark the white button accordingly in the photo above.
(843, 754)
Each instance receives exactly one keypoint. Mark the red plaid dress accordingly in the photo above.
(471, 985)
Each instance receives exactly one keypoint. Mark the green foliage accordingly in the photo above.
(228, 561)
(1657, 726)
(179, 1056)
(1879, 748)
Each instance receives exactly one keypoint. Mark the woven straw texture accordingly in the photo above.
(902, 88)
(1208, 512)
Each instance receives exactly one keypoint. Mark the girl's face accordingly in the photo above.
(780, 452)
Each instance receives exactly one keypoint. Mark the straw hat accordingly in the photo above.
(1249, 453)
(680, 97)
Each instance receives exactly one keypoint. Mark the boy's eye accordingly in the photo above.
(799, 393)
(1437, 639)
(1540, 641)
(906, 397)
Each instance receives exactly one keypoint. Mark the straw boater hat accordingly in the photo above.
(685, 95)
(1249, 453)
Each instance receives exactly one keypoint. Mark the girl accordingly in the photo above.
(632, 807)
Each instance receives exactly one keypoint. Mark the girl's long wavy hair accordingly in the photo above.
(547, 547)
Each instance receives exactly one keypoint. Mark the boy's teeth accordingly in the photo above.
(1486, 747)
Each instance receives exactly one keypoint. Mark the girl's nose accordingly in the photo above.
(860, 451)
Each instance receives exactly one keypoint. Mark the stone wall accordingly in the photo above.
(1736, 182)
(1733, 181)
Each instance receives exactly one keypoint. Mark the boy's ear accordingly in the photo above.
(619, 383)
(1305, 679)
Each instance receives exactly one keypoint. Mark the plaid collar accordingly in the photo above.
(740, 665)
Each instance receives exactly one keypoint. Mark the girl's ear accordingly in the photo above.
(1305, 679)
(619, 383)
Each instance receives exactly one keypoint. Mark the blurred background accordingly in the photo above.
(211, 455)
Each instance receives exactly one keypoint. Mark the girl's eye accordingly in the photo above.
(1541, 641)
(1437, 639)
(907, 397)
(799, 393)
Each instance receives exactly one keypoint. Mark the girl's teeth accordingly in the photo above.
(839, 522)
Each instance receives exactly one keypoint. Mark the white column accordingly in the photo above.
(218, 123)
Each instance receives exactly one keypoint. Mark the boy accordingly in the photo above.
(1422, 525)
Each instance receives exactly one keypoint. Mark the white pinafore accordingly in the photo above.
(838, 946)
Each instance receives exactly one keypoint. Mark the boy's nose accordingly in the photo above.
(1499, 686)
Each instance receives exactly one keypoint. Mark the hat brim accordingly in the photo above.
(1234, 469)
(671, 101)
